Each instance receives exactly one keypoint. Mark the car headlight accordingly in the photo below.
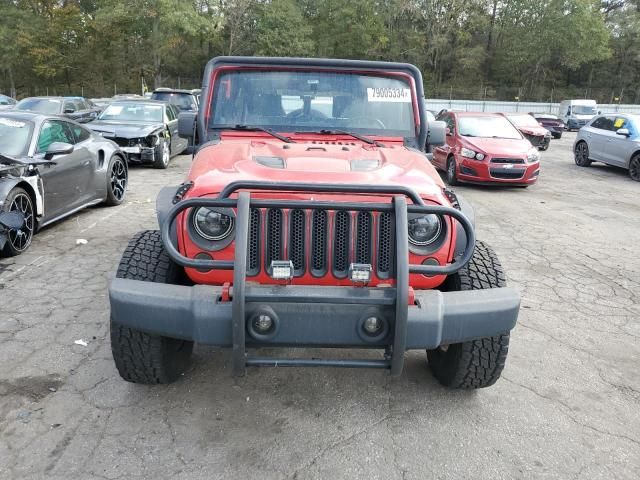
(533, 156)
(468, 153)
(424, 229)
(211, 224)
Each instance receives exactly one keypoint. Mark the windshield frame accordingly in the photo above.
(403, 72)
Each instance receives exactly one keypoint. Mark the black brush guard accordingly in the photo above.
(498, 308)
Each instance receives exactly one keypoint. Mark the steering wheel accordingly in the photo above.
(367, 121)
(313, 115)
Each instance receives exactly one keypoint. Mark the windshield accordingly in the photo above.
(487, 126)
(6, 100)
(133, 112)
(183, 101)
(48, 106)
(14, 136)
(583, 110)
(312, 101)
(523, 120)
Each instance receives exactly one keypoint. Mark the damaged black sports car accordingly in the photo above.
(51, 167)
(146, 130)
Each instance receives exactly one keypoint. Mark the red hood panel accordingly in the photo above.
(499, 146)
(314, 162)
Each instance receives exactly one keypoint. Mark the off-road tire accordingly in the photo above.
(142, 357)
(452, 178)
(476, 363)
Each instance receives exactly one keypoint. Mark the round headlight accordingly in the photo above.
(211, 224)
(425, 229)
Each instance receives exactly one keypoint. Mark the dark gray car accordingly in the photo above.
(51, 167)
(76, 108)
(145, 129)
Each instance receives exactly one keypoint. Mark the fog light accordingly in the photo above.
(360, 272)
(281, 269)
(262, 323)
(372, 325)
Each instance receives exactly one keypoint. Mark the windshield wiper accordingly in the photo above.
(251, 128)
(362, 138)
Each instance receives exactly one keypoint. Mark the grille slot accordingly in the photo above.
(385, 245)
(319, 243)
(296, 241)
(363, 237)
(514, 161)
(273, 250)
(253, 255)
(341, 238)
(506, 174)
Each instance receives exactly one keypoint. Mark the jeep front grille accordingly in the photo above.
(321, 242)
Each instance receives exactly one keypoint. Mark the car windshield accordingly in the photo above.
(133, 112)
(487, 126)
(14, 136)
(184, 101)
(296, 101)
(48, 106)
(6, 100)
(523, 120)
(583, 110)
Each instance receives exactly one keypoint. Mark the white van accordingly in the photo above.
(576, 113)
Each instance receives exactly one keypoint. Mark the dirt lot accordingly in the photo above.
(567, 406)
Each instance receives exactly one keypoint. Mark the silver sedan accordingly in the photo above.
(51, 167)
(610, 139)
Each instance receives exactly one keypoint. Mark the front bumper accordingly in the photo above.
(139, 154)
(312, 316)
(323, 316)
(489, 172)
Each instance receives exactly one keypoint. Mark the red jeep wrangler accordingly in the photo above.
(311, 217)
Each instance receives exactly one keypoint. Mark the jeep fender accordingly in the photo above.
(164, 203)
(461, 236)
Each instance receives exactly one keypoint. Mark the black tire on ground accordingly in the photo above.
(544, 147)
(142, 357)
(581, 154)
(634, 167)
(476, 363)
(117, 180)
(162, 155)
(20, 240)
(452, 177)
(557, 135)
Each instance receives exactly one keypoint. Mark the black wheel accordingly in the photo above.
(544, 147)
(141, 357)
(476, 363)
(162, 154)
(634, 167)
(19, 241)
(557, 135)
(117, 179)
(582, 154)
(452, 177)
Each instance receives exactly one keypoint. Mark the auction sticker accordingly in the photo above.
(390, 95)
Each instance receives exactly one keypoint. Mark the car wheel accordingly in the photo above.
(581, 154)
(634, 168)
(18, 241)
(117, 179)
(477, 363)
(142, 357)
(544, 147)
(163, 154)
(452, 177)
(557, 135)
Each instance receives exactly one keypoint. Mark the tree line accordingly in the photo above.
(538, 50)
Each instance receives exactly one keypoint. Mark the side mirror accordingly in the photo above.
(69, 110)
(624, 132)
(436, 133)
(187, 124)
(448, 132)
(58, 148)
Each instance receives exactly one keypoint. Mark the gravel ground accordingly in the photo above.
(567, 406)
